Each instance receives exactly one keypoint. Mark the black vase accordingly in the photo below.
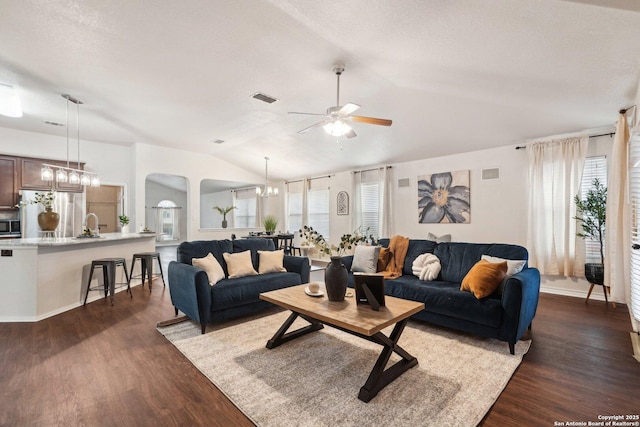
(335, 279)
(594, 273)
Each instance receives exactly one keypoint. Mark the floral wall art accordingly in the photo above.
(444, 198)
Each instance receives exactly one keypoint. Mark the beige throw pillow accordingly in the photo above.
(211, 266)
(271, 262)
(239, 264)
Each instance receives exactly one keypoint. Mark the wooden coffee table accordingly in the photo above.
(358, 320)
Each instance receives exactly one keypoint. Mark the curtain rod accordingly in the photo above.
(622, 111)
(308, 179)
(521, 147)
(373, 169)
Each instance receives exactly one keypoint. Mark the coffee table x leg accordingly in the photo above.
(379, 377)
(282, 336)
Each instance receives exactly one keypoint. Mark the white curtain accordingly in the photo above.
(555, 171)
(386, 213)
(618, 231)
(372, 209)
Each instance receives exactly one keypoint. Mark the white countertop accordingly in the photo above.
(67, 241)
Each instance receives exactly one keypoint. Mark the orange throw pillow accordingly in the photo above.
(484, 278)
(383, 259)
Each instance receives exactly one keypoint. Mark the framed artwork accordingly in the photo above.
(343, 203)
(444, 198)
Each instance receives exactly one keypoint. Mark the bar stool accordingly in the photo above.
(146, 267)
(108, 266)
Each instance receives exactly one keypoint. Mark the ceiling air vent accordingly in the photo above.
(264, 97)
(218, 141)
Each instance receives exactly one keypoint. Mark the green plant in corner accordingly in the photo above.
(593, 211)
(124, 220)
(270, 223)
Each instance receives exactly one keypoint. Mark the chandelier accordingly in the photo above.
(68, 174)
(267, 191)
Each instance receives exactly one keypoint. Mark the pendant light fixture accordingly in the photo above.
(68, 174)
(267, 191)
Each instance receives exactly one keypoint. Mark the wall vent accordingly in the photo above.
(264, 97)
(404, 182)
(488, 174)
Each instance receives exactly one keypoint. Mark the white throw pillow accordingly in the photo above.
(365, 259)
(513, 267)
(271, 262)
(239, 264)
(211, 266)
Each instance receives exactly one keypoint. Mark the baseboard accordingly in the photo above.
(635, 342)
(595, 295)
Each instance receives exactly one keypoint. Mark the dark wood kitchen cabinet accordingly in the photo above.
(30, 176)
(8, 182)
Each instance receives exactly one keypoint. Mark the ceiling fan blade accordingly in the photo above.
(350, 134)
(371, 120)
(307, 114)
(307, 129)
(349, 108)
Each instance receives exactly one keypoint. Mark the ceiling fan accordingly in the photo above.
(337, 118)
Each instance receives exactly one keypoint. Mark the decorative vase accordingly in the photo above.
(48, 220)
(335, 279)
(224, 223)
(594, 273)
(124, 229)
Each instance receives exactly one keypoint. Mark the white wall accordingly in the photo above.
(498, 207)
(194, 167)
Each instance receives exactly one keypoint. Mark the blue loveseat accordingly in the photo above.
(229, 298)
(504, 315)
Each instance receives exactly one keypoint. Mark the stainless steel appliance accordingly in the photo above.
(70, 206)
(10, 227)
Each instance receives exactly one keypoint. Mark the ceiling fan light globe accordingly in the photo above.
(336, 128)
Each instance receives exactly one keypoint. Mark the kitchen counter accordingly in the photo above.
(66, 241)
(42, 277)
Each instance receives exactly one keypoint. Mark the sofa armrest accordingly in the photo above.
(190, 291)
(298, 264)
(520, 302)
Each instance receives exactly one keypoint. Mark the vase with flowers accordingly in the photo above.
(47, 220)
(335, 275)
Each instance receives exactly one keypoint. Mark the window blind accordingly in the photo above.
(245, 214)
(370, 205)
(594, 167)
(634, 190)
(318, 205)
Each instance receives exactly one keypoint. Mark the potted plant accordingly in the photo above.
(224, 211)
(270, 223)
(124, 224)
(593, 217)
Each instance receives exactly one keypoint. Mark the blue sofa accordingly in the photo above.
(229, 298)
(504, 315)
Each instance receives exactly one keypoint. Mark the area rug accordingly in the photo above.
(314, 380)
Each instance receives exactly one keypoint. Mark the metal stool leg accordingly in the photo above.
(88, 285)
(105, 280)
(111, 272)
(160, 267)
(149, 265)
(126, 274)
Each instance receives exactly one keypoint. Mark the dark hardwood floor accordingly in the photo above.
(103, 365)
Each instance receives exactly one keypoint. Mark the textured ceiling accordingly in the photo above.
(454, 76)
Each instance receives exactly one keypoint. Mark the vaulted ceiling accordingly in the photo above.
(454, 76)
